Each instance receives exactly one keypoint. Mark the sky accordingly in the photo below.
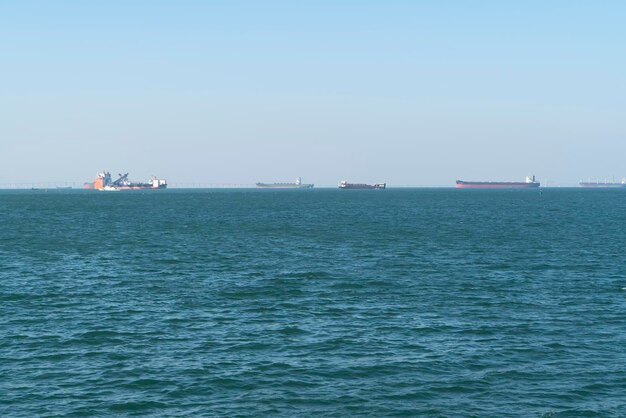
(234, 92)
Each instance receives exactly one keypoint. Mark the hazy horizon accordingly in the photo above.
(234, 92)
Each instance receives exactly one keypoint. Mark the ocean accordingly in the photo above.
(322, 303)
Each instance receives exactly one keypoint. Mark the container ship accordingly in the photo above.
(345, 185)
(104, 182)
(297, 185)
(529, 183)
(603, 185)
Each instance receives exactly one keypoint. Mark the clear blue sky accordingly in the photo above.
(407, 92)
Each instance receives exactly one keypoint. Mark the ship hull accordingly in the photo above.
(284, 186)
(142, 187)
(132, 187)
(360, 187)
(602, 185)
(494, 185)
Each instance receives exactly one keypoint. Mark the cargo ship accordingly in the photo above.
(603, 185)
(104, 182)
(297, 185)
(529, 183)
(345, 185)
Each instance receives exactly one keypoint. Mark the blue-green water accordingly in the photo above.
(438, 303)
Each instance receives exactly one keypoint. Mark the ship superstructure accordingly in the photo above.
(105, 182)
(529, 183)
(297, 185)
(345, 185)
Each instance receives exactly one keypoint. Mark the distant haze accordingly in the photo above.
(405, 92)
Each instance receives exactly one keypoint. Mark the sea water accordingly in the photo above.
(405, 302)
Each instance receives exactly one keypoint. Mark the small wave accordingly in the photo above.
(137, 406)
(292, 330)
(311, 275)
